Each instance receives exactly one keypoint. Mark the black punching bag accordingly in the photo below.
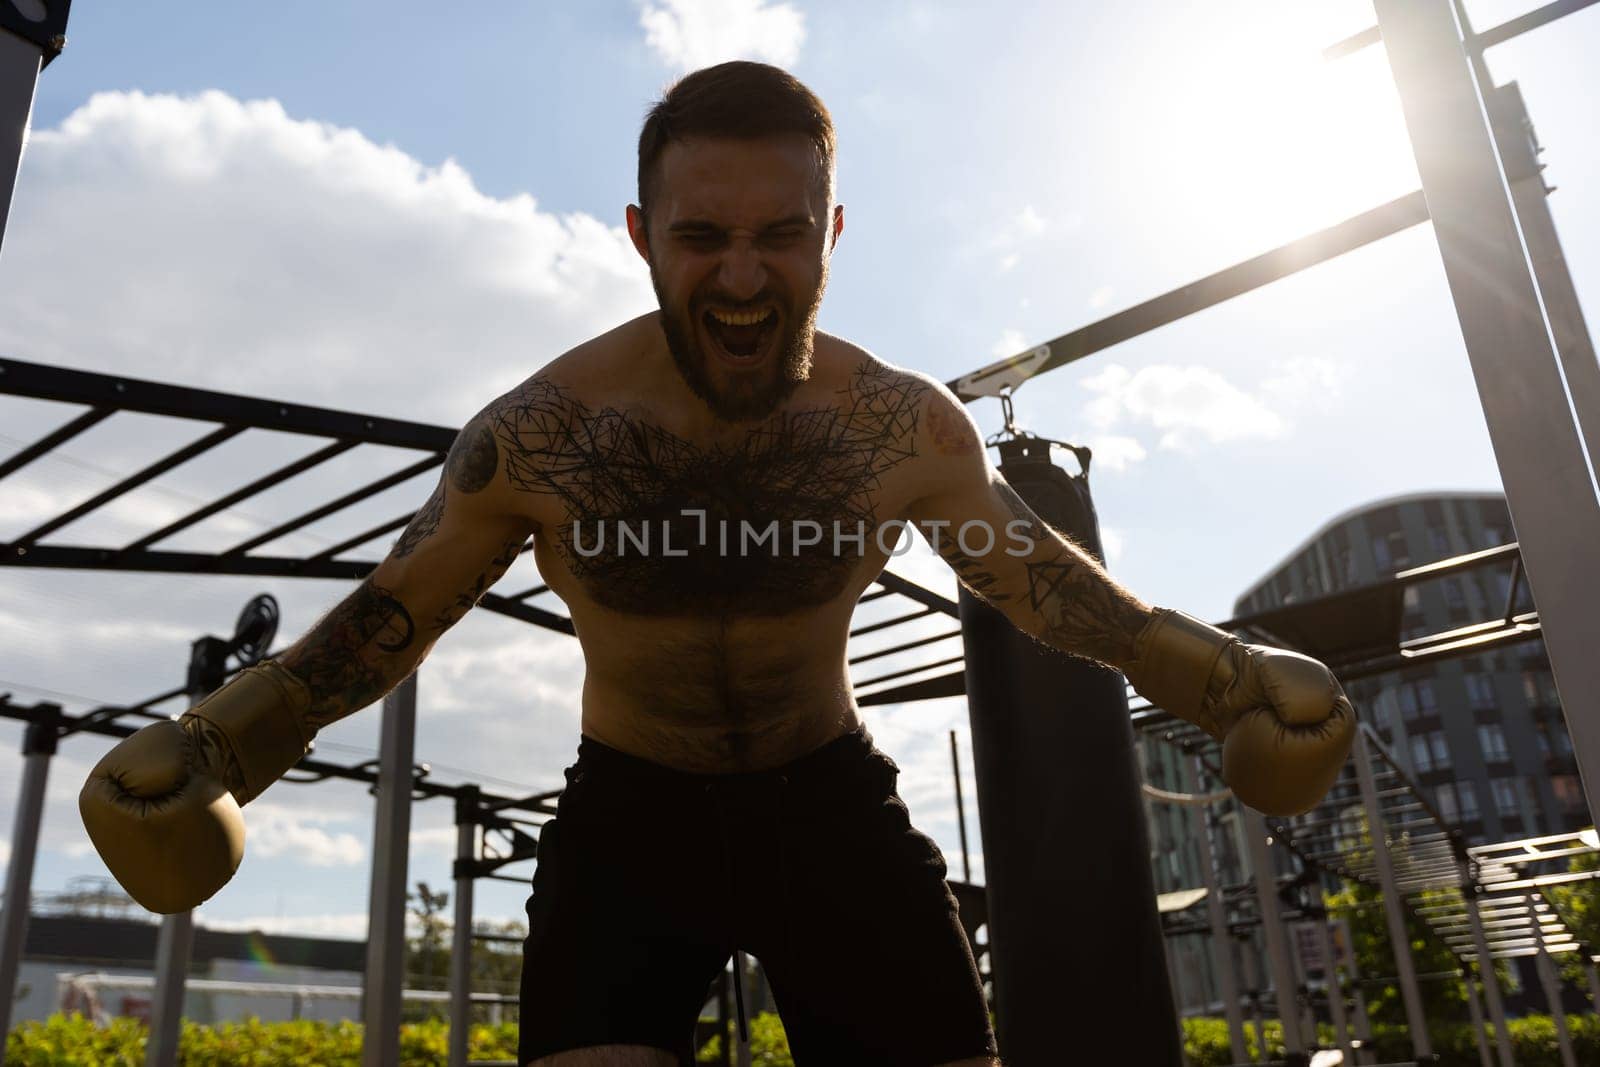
(1074, 936)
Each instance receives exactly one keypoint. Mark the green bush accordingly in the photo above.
(1533, 1039)
(74, 1041)
(769, 1045)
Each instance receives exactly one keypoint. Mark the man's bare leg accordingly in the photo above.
(976, 1061)
(616, 1056)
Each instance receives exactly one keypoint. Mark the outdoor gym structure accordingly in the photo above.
(1539, 385)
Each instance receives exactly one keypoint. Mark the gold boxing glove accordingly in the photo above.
(162, 807)
(1284, 722)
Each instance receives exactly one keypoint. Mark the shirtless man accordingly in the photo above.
(710, 488)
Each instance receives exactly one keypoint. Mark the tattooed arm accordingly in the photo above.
(162, 806)
(1042, 581)
(456, 546)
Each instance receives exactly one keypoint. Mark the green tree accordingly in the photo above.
(428, 954)
(1578, 904)
(1443, 999)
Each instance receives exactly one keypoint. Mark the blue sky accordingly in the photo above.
(396, 208)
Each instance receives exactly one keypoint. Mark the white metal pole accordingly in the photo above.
(1330, 973)
(1491, 984)
(1393, 910)
(1221, 940)
(1552, 984)
(1255, 832)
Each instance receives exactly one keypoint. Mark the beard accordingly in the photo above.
(743, 400)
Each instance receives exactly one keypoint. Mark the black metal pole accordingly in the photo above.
(961, 811)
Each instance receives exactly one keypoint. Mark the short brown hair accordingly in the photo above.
(739, 99)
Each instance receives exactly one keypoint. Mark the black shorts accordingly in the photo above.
(649, 878)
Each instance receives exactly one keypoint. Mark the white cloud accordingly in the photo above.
(1303, 380)
(440, 840)
(1009, 344)
(1028, 222)
(1115, 451)
(224, 243)
(1009, 260)
(1183, 402)
(1112, 542)
(294, 833)
(1101, 296)
(690, 34)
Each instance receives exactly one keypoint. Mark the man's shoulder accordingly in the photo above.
(864, 371)
(855, 365)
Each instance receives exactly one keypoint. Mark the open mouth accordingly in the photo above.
(742, 336)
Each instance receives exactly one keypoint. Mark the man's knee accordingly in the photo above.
(976, 1061)
(609, 1056)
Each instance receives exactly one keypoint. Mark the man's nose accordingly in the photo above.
(743, 274)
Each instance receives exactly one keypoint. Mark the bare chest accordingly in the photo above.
(777, 520)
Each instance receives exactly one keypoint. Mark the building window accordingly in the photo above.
(1480, 692)
(1440, 750)
(1569, 792)
(1455, 598)
(1421, 759)
(1426, 701)
(1447, 803)
(1492, 743)
(1530, 688)
(1506, 802)
(1383, 709)
(1406, 694)
(1438, 541)
(1380, 554)
(1468, 796)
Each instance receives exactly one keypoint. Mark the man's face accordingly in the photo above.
(738, 241)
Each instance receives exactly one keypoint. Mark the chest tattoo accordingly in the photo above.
(659, 525)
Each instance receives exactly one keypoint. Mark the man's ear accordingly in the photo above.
(638, 233)
(838, 226)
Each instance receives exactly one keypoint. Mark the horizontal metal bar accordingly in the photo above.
(944, 685)
(265, 482)
(363, 537)
(353, 497)
(156, 561)
(131, 482)
(908, 671)
(918, 643)
(896, 621)
(159, 398)
(49, 441)
(1532, 20)
(1353, 43)
(911, 590)
(1363, 229)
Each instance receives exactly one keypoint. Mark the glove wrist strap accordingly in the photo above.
(261, 712)
(1176, 656)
